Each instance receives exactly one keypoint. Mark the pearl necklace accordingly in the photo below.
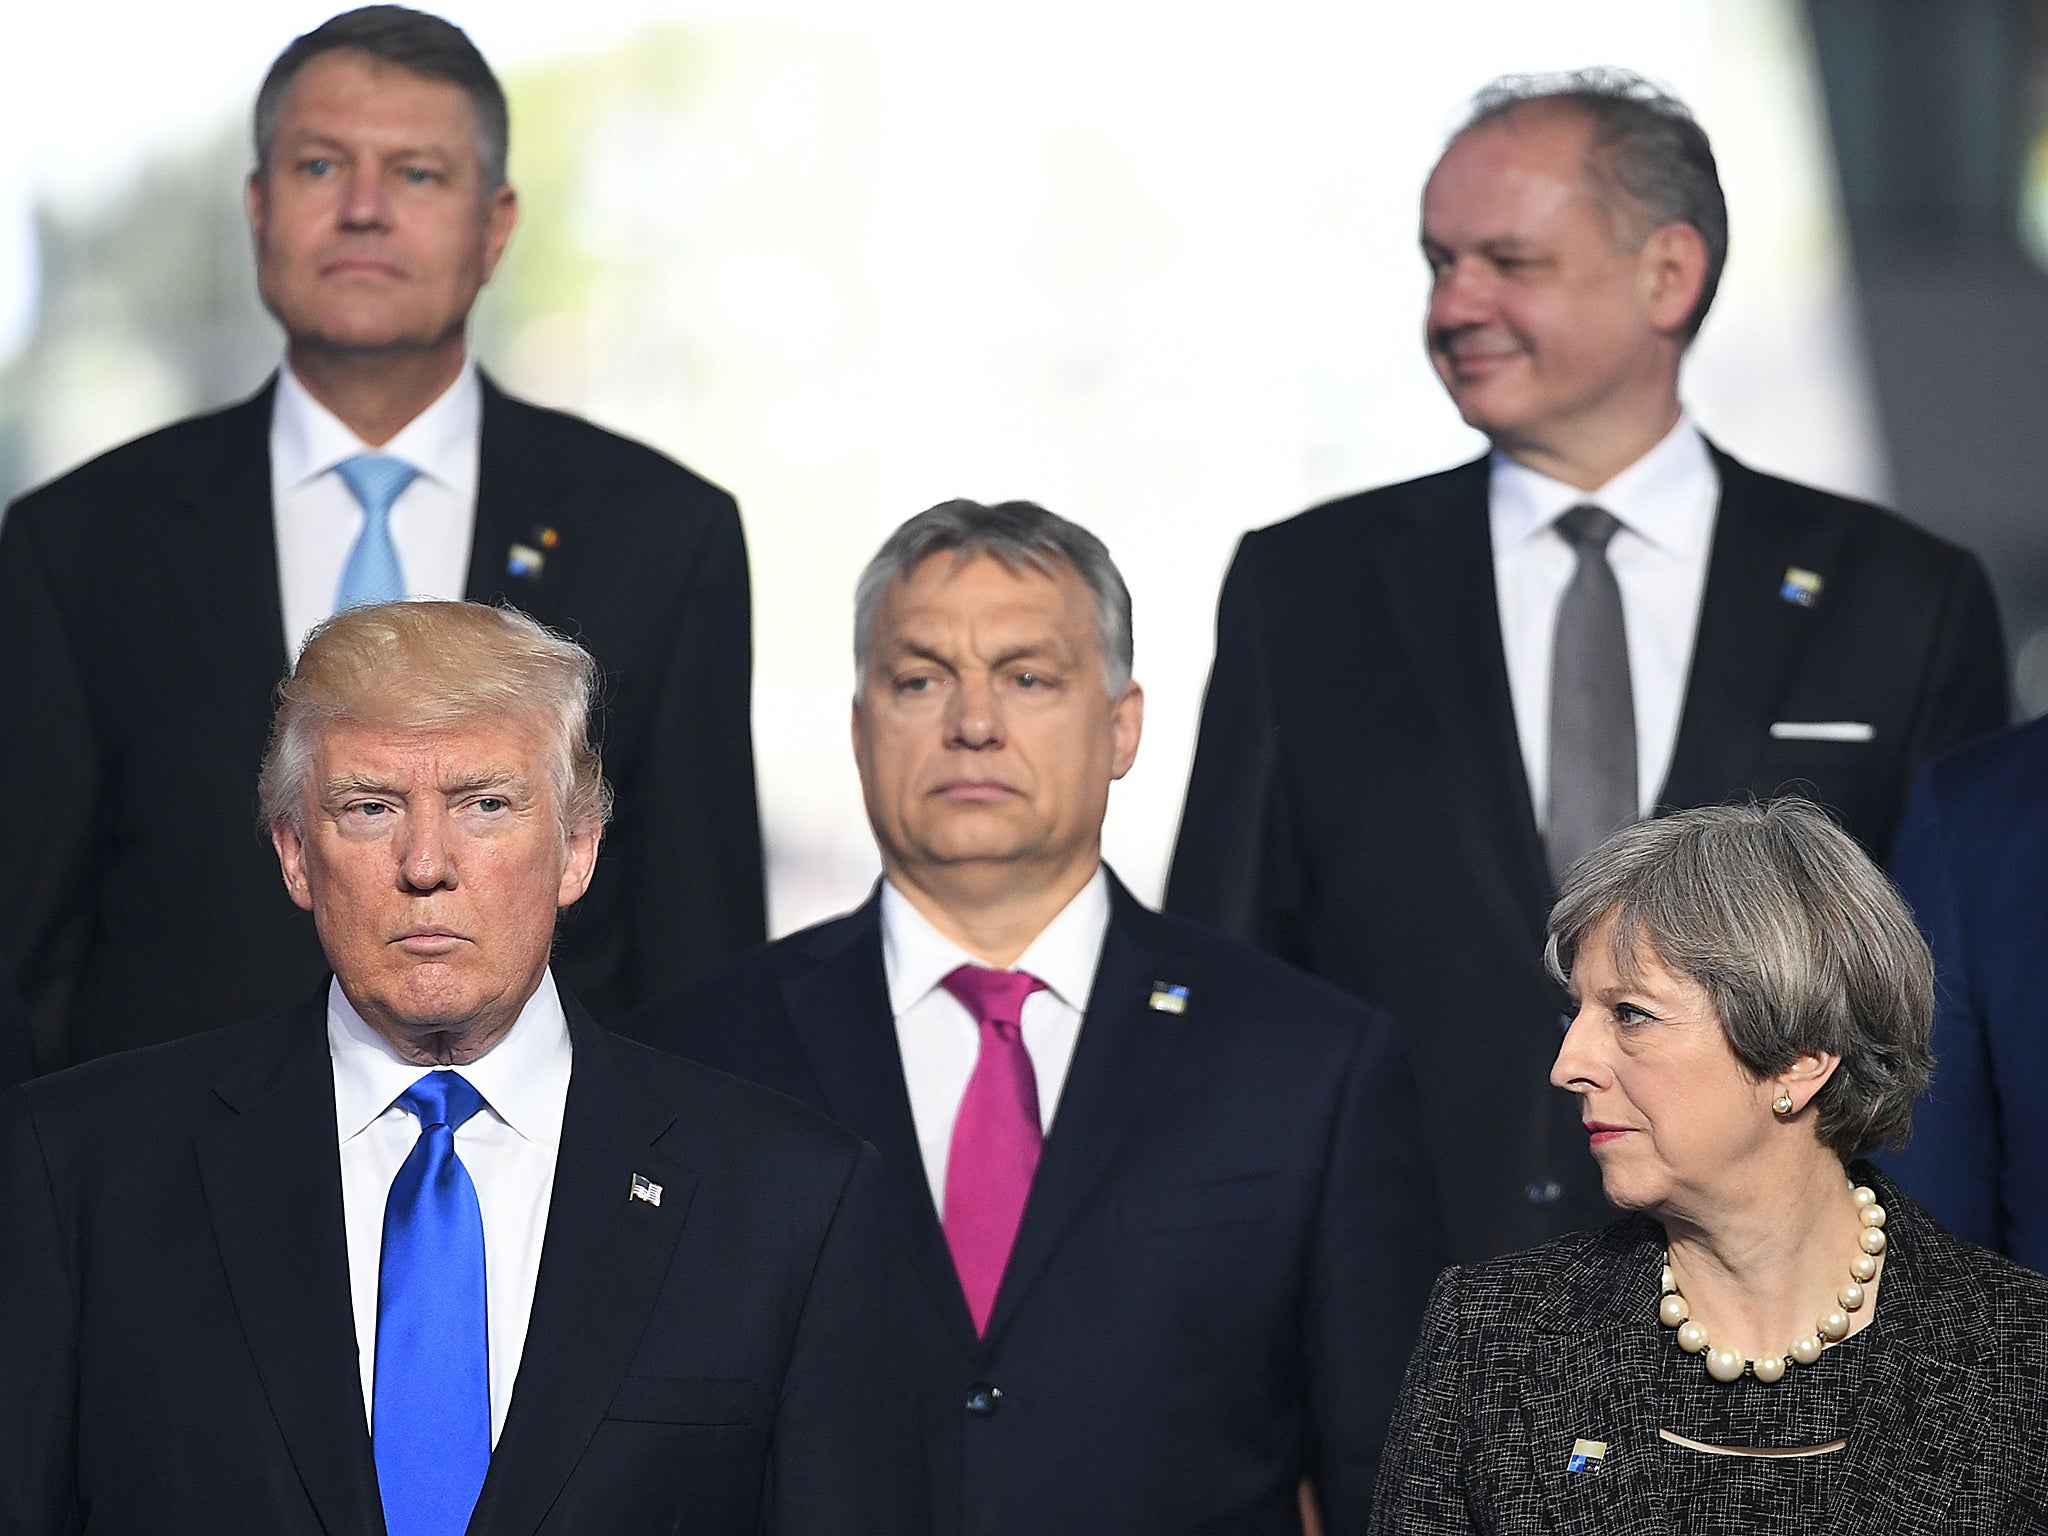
(1725, 1364)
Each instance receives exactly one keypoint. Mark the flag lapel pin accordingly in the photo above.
(646, 1189)
(1801, 587)
(1168, 997)
(1586, 1455)
(528, 560)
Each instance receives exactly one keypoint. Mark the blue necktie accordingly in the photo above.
(431, 1418)
(372, 574)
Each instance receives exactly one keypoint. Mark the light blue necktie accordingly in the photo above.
(372, 574)
(431, 1415)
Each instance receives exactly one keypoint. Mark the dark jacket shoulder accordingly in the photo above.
(106, 486)
(549, 437)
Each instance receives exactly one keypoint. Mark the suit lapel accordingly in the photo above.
(1748, 637)
(601, 1270)
(1122, 1045)
(272, 1177)
(520, 498)
(218, 550)
(1589, 1377)
(839, 1011)
(1435, 570)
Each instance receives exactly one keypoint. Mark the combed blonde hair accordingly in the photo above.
(430, 666)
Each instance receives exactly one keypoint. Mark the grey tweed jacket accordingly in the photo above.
(1521, 1356)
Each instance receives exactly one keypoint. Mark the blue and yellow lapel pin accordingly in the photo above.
(1168, 997)
(528, 560)
(1801, 587)
(1586, 1455)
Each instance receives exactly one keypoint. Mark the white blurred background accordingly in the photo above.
(1153, 266)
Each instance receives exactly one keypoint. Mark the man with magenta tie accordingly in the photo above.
(150, 599)
(1163, 1226)
(431, 1252)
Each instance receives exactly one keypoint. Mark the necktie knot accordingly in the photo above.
(442, 1098)
(376, 480)
(1587, 528)
(995, 998)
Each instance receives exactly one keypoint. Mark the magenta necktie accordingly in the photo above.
(996, 1136)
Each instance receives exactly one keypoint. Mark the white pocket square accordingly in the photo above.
(1821, 730)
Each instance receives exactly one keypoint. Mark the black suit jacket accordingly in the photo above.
(1521, 1357)
(14, 1052)
(1359, 805)
(1972, 861)
(1226, 1247)
(181, 1353)
(140, 619)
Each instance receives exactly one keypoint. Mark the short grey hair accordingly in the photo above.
(433, 666)
(411, 40)
(1650, 163)
(1796, 937)
(1023, 536)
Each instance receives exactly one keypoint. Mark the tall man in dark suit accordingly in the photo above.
(1163, 1230)
(1972, 862)
(431, 1242)
(1429, 699)
(150, 599)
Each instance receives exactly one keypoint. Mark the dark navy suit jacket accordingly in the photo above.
(1972, 862)
(178, 1349)
(14, 1052)
(1225, 1256)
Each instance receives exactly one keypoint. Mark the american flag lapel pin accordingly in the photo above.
(646, 1189)
(1586, 1455)
(1168, 997)
(1801, 587)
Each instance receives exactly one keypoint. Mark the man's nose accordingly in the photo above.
(426, 859)
(977, 720)
(1462, 295)
(364, 200)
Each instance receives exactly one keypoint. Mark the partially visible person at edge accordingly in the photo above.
(1777, 1337)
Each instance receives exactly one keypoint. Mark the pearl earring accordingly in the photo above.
(1782, 1105)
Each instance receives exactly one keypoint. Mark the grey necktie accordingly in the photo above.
(1592, 710)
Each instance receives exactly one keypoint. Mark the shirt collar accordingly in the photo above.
(1667, 496)
(307, 439)
(917, 957)
(524, 1078)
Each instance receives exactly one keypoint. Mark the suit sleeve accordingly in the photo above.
(1964, 693)
(38, 1340)
(689, 828)
(1421, 1487)
(839, 1458)
(1236, 866)
(1377, 1249)
(1952, 1162)
(49, 791)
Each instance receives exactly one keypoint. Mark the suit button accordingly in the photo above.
(1544, 1191)
(983, 1398)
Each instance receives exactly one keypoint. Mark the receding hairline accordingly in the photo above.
(1023, 564)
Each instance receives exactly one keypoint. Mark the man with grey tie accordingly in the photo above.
(150, 599)
(1429, 699)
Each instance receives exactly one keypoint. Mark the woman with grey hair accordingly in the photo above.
(1776, 1337)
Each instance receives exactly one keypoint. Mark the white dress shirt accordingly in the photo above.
(508, 1146)
(317, 517)
(940, 1040)
(1665, 503)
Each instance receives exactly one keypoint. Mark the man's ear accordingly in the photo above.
(581, 864)
(257, 201)
(1127, 724)
(1673, 266)
(499, 218)
(291, 861)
